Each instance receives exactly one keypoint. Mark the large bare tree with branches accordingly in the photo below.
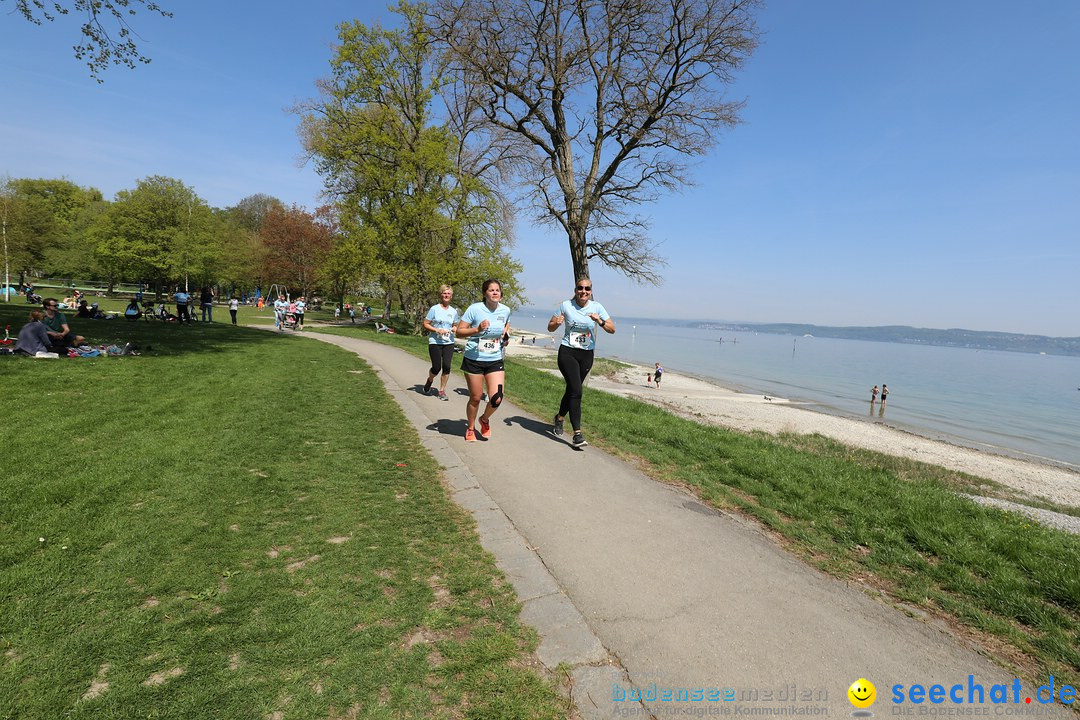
(602, 102)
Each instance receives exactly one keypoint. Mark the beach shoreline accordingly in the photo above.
(710, 402)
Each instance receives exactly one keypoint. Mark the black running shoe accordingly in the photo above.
(427, 386)
(579, 440)
(557, 427)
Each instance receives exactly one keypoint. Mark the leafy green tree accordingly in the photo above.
(74, 255)
(161, 231)
(43, 219)
(107, 38)
(394, 172)
(242, 251)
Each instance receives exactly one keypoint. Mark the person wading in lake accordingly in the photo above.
(873, 396)
(580, 317)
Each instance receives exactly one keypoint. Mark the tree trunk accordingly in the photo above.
(576, 236)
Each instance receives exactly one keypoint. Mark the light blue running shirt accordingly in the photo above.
(486, 346)
(442, 319)
(579, 330)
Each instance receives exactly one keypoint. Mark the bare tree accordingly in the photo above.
(107, 38)
(601, 102)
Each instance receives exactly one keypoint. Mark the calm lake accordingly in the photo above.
(1013, 403)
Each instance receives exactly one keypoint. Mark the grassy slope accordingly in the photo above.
(254, 513)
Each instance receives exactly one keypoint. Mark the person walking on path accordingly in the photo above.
(440, 322)
(234, 306)
(580, 318)
(487, 325)
(656, 375)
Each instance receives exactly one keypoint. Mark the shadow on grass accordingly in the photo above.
(151, 338)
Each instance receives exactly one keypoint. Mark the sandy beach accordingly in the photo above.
(703, 401)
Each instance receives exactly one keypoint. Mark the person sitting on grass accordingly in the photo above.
(84, 310)
(34, 336)
(60, 334)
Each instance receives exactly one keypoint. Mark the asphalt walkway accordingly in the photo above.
(640, 588)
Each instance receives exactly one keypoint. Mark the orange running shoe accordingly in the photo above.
(470, 436)
(485, 429)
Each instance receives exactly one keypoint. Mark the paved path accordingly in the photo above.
(671, 592)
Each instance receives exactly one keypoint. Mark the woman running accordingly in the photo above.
(439, 323)
(487, 325)
(580, 317)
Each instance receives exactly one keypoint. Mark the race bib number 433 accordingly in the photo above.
(580, 339)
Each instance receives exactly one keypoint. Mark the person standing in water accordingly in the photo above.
(580, 318)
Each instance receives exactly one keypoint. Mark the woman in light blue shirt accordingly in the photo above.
(439, 323)
(487, 325)
(580, 318)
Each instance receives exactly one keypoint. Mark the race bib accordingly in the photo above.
(488, 346)
(580, 339)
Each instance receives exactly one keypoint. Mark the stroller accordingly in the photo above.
(289, 319)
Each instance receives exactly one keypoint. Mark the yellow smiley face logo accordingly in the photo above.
(862, 693)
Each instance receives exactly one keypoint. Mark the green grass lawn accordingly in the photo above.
(238, 524)
(896, 526)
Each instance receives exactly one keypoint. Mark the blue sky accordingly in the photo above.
(912, 163)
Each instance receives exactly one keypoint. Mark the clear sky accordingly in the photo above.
(913, 163)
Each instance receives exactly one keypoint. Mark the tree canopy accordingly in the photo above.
(600, 104)
(413, 211)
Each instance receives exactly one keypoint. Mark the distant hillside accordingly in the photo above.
(955, 337)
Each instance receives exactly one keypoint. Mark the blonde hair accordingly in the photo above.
(37, 315)
(444, 288)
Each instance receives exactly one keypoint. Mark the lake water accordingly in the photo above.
(1013, 403)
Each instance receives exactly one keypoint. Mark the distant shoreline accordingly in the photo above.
(902, 334)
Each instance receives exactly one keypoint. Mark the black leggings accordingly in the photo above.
(441, 355)
(574, 364)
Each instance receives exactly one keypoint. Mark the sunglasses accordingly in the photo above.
(585, 287)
